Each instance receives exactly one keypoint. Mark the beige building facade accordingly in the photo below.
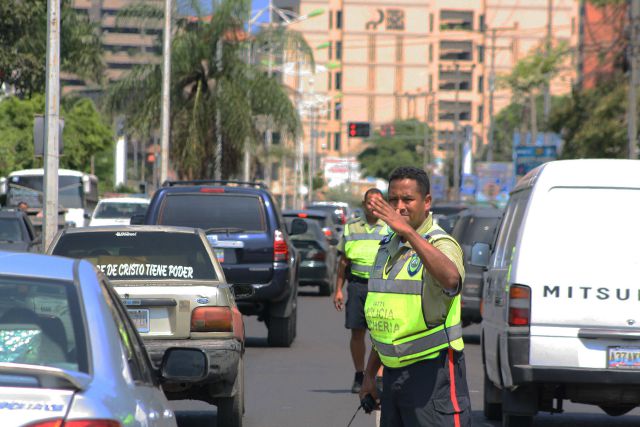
(430, 60)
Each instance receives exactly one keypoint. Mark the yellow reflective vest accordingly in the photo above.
(394, 310)
(361, 246)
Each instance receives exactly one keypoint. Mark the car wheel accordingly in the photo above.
(325, 289)
(616, 411)
(231, 409)
(492, 410)
(281, 330)
(509, 420)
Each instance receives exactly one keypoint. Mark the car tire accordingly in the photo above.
(231, 409)
(509, 420)
(282, 330)
(492, 410)
(325, 290)
(616, 411)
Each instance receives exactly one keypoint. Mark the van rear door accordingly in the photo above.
(579, 255)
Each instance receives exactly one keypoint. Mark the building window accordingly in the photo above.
(456, 20)
(329, 79)
(480, 84)
(337, 139)
(339, 19)
(331, 20)
(481, 23)
(329, 110)
(453, 50)
(339, 80)
(430, 52)
(330, 52)
(338, 50)
(430, 83)
(450, 80)
(480, 113)
(431, 22)
(338, 111)
(481, 54)
(449, 109)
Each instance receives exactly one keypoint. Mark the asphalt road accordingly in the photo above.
(309, 383)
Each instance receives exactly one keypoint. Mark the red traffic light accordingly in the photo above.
(359, 129)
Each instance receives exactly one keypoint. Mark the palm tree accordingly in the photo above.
(201, 87)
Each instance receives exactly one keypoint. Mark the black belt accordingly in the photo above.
(356, 279)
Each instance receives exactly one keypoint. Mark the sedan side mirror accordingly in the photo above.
(333, 241)
(137, 219)
(183, 364)
(480, 255)
(298, 226)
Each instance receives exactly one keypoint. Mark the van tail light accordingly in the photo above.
(75, 423)
(327, 232)
(280, 248)
(519, 305)
(211, 319)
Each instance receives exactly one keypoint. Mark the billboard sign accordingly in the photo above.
(494, 181)
(529, 157)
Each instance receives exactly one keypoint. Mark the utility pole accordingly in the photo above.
(51, 123)
(217, 173)
(547, 88)
(456, 139)
(166, 101)
(632, 119)
(492, 88)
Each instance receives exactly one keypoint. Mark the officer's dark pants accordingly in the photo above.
(421, 394)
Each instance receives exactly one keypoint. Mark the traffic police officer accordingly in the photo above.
(413, 312)
(358, 247)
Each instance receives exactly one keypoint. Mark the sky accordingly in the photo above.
(185, 9)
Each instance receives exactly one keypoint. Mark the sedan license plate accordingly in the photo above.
(623, 358)
(220, 255)
(140, 318)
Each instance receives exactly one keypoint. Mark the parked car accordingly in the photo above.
(118, 210)
(176, 294)
(317, 257)
(473, 225)
(244, 226)
(445, 214)
(325, 220)
(560, 317)
(70, 355)
(339, 210)
(16, 232)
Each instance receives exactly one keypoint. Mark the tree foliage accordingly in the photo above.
(201, 87)
(593, 122)
(85, 135)
(385, 153)
(23, 45)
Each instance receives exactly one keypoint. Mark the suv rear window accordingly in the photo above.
(41, 324)
(237, 212)
(477, 229)
(136, 255)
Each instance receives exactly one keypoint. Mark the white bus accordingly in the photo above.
(77, 193)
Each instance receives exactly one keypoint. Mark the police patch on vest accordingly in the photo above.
(386, 239)
(414, 265)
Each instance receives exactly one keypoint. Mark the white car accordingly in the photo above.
(118, 210)
(560, 316)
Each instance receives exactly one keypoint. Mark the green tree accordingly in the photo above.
(385, 153)
(200, 88)
(85, 135)
(593, 122)
(23, 45)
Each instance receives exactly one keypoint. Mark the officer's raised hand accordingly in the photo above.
(393, 217)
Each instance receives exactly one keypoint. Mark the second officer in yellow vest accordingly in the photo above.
(358, 249)
(413, 312)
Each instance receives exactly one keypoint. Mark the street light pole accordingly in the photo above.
(456, 139)
(166, 79)
(51, 127)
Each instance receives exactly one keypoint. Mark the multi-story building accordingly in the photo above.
(430, 60)
(126, 43)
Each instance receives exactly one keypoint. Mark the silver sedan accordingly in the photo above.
(69, 354)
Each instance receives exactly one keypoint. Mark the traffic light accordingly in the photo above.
(388, 130)
(359, 129)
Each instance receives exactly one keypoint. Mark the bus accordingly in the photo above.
(77, 193)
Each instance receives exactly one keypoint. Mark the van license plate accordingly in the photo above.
(220, 255)
(140, 319)
(624, 358)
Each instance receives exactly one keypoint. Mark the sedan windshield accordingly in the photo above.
(119, 210)
(138, 255)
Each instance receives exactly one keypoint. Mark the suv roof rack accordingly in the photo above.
(215, 181)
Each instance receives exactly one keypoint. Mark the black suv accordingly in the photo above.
(248, 234)
(16, 232)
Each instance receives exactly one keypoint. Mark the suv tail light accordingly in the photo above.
(280, 248)
(316, 255)
(211, 319)
(75, 423)
(327, 232)
(519, 305)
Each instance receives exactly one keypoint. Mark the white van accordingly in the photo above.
(561, 296)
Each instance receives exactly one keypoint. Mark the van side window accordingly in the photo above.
(510, 228)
